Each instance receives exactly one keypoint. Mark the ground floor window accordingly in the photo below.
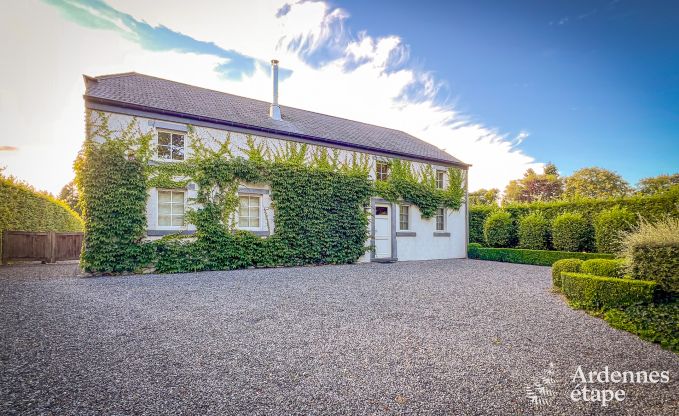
(171, 208)
(404, 217)
(249, 211)
(440, 219)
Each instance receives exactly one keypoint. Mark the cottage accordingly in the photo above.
(171, 110)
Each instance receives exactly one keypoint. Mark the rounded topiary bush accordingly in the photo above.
(534, 232)
(498, 230)
(604, 267)
(564, 265)
(609, 226)
(571, 232)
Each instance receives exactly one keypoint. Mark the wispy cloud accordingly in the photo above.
(8, 148)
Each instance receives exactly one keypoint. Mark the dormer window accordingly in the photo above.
(171, 145)
(381, 171)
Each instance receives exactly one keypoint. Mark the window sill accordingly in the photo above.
(406, 234)
(441, 234)
(156, 233)
(261, 233)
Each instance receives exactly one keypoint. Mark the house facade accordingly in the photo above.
(174, 114)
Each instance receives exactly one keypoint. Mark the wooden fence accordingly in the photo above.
(48, 246)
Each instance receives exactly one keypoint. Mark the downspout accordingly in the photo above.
(466, 213)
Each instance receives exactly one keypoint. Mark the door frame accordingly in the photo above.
(394, 252)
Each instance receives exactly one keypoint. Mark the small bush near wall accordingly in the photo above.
(593, 292)
(571, 232)
(521, 256)
(564, 265)
(534, 232)
(499, 230)
(24, 209)
(609, 225)
(652, 252)
(604, 267)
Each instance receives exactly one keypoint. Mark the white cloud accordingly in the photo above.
(361, 78)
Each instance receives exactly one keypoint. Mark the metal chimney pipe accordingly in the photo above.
(275, 110)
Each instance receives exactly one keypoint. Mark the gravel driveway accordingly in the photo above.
(444, 337)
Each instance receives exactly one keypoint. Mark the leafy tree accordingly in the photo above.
(657, 184)
(595, 183)
(69, 194)
(532, 187)
(484, 197)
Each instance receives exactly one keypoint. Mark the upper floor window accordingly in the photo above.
(249, 211)
(381, 171)
(171, 208)
(170, 145)
(440, 219)
(440, 177)
(404, 217)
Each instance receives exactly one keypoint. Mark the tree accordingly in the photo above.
(69, 194)
(595, 183)
(657, 184)
(484, 197)
(547, 186)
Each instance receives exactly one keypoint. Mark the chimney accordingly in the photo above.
(275, 110)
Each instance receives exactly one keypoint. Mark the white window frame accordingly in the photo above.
(170, 132)
(443, 220)
(440, 184)
(262, 226)
(185, 199)
(409, 217)
(378, 174)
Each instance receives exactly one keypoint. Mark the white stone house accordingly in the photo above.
(167, 109)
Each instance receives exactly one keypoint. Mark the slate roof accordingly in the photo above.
(151, 94)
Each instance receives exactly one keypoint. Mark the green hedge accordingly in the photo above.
(593, 292)
(649, 207)
(571, 232)
(604, 267)
(608, 227)
(654, 323)
(23, 209)
(534, 232)
(499, 230)
(522, 256)
(659, 263)
(564, 265)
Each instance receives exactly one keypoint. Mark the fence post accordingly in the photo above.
(52, 246)
(5, 255)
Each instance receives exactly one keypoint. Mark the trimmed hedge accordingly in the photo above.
(608, 227)
(585, 291)
(571, 232)
(499, 230)
(23, 209)
(649, 207)
(534, 232)
(522, 256)
(656, 323)
(659, 263)
(564, 265)
(604, 267)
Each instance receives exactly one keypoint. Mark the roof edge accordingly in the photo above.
(153, 110)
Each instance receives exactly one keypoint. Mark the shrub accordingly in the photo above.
(477, 217)
(604, 267)
(473, 250)
(652, 252)
(498, 230)
(593, 292)
(571, 232)
(534, 232)
(564, 265)
(535, 257)
(609, 226)
(655, 323)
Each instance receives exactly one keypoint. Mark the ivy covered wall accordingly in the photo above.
(319, 197)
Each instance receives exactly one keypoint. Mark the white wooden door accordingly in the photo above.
(382, 230)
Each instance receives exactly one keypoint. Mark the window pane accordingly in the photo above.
(177, 140)
(178, 209)
(381, 211)
(254, 202)
(164, 209)
(164, 152)
(164, 220)
(163, 196)
(243, 222)
(163, 138)
(254, 212)
(254, 222)
(178, 197)
(177, 220)
(243, 203)
(178, 153)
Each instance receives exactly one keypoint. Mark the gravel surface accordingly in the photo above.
(444, 337)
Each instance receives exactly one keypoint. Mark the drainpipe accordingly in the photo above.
(275, 110)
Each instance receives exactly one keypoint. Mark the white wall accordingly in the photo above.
(426, 245)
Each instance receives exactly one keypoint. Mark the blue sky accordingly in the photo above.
(593, 82)
(504, 86)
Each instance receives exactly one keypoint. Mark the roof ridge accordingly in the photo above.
(131, 73)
